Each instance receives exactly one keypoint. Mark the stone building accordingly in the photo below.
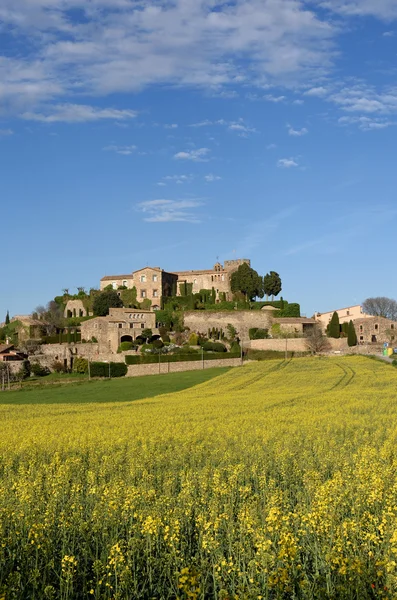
(76, 308)
(121, 325)
(376, 330)
(154, 283)
(350, 313)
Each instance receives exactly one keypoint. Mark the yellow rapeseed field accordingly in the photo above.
(277, 480)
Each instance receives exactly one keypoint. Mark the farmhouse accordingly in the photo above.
(350, 313)
(121, 325)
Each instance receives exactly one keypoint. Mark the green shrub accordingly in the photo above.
(214, 347)
(157, 344)
(80, 365)
(124, 346)
(258, 334)
(101, 369)
(193, 339)
(24, 371)
(38, 370)
(59, 367)
(290, 310)
(235, 348)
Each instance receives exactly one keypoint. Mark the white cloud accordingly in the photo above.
(388, 34)
(199, 155)
(171, 126)
(161, 183)
(79, 113)
(210, 178)
(316, 91)
(367, 123)
(125, 150)
(297, 132)
(275, 99)
(287, 163)
(168, 211)
(6, 132)
(238, 126)
(383, 9)
(123, 46)
(271, 146)
(179, 179)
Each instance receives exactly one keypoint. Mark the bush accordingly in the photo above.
(80, 365)
(158, 344)
(38, 370)
(59, 367)
(256, 333)
(101, 369)
(193, 339)
(124, 346)
(235, 347)
(214, 347)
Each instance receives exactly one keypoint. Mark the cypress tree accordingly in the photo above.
(334, 326)
(351, 335)
(7, 321)
(345, 329)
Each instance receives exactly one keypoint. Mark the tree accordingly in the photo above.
(7, 321)
(104, 301)
(272, 285)
(247, 281)
(351, 335)
(146, 333)
(333, 329)
(316, 341)
(381, 307)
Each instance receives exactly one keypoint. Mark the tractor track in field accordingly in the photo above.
(280, 366)
(346, 379)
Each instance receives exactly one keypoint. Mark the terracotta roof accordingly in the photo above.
(109, 277)
(4, 347)
(298, 320)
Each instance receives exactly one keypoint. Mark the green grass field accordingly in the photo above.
(61, 390)
(273, 481)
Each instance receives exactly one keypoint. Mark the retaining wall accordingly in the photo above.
(155, 369)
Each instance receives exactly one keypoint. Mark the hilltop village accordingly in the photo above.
(184, 316)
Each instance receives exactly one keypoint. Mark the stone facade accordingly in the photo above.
(156, 369)
(121, 325)
(154, 283)
(376, 330)
(350, 313)
(76, 308)
(298, 326)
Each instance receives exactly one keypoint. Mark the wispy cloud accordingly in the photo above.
(287, 163)
(317, 91)
(6, 132)
(238, 126)
(388, 34)
(271, 146)
(78, 113)
(199, 155)
(125, 150)
(171, 126)
(367, 123)
(179, 179)
(210, 178)
(169, 211)
(297, 132)
(275, 99)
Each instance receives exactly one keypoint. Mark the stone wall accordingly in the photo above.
(75, 308)
(242, 320)
(156, 369)
(298, 345)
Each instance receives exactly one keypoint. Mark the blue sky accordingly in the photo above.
(171, 133)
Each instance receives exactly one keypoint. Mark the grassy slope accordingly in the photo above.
(120, 390)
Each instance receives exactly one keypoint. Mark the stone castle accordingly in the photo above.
(154, 283)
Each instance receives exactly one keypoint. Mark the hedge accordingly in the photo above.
(62, 338)
(148, 359)
(101, 369)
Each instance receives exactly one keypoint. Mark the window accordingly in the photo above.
(131, 325)
(142, 325)
(120, 325)
(392, 326)
(194, 281)
(223, 277)
(143, 293)
(376, 326)
(155, 293)
(125, 282)
(361, 327)
(154, 277)
(114, 285)
(361, 338)
(348, 312)
(143, 278)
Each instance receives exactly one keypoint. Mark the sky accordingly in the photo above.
(176, 133)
